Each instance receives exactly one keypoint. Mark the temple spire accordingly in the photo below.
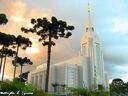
(88, 20)
(88, 6)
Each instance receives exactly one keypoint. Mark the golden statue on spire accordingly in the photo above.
(88, 5)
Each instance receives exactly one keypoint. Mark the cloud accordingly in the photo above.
(19, 14)
(125, 77)
(122, 69)
(116, 65)
(115, 58)
(120, 26)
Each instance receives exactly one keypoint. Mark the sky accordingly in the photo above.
(109, 18)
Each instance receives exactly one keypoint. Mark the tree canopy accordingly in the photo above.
(6, 39)
(43, 28)
(3, 18)
(48, 30)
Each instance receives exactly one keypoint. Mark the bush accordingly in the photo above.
(20, 89)
(85, 92)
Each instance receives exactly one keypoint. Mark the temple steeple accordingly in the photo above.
(89, 37)
(92, 56)
(88, 20)
(89, 6)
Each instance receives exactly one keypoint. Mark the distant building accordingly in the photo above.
(85, 70)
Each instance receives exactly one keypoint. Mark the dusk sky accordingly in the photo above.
(109, 18)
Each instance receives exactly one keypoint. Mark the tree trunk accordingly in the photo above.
(15, 62)
(48, 64)
(55, 89)
(21, 69)
(3, 68)
(1, 60)
(21, 72)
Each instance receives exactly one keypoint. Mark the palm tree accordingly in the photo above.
(63, 87)
(48, 30)
(20, 42)
(6, 52)
(54, 85)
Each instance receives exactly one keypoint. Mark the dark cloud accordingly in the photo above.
(116, 64)
(115, 58)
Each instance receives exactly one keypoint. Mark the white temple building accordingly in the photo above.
(85, 70)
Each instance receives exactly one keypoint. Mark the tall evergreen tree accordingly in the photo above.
(23, 43)
(6, 53)
(22, 62)
(47, 31)
(5, 40)
(3, 20)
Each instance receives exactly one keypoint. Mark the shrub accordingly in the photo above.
(20, 88)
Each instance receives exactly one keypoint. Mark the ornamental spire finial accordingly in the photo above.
(88, 20)
(88, 5)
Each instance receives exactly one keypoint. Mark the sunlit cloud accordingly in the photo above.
(29, 25)
(19, 15)
(35, 48)
(17, 19)
(32, 50)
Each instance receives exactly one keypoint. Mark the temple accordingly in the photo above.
(85, 70)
